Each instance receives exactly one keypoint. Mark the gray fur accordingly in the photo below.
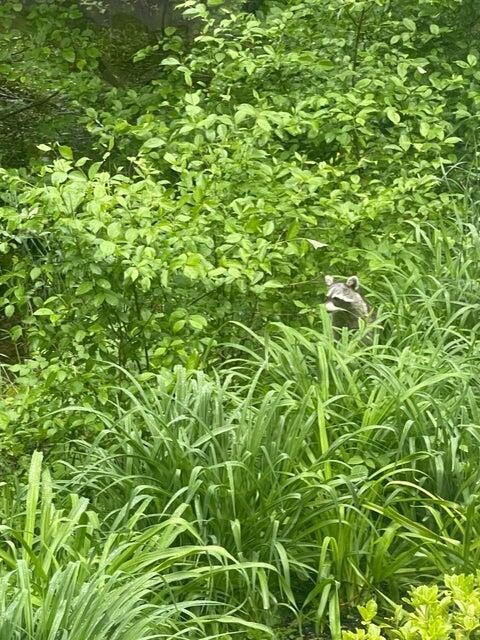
(345, 303)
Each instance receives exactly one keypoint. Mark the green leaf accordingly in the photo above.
(131, 235)
(197, 322)
(171, 62)
(472, 59)
(107, 248)
(65, 152)
(316, 244)
(424, 129)
(44, 147)
(85, 287)
(244, 111)
(16, 332)
(93, 169)
(68, 54)
(154, 143)
(58, 177)
(114, 230)
(43, 311)
(410, 24)
(170, 158)
(452, 140)
(404, 142)
(263, 123)
(35, 273)
(9, 310)
(369, 611)
(293, 231)
(132, 273)
(178, 326)
(268, 228)
(392, 115)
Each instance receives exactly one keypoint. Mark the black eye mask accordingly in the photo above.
(338, 302)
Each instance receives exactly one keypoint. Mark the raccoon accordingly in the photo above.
(346, 304)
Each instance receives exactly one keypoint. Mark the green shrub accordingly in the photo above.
(431, 613)
(212, 179)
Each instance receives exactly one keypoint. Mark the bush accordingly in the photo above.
(229, 177)
(431, 613)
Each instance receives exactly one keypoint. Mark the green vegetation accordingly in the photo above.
(451, 613)
(186, 449)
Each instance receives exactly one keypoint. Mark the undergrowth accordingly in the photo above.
(292, 481)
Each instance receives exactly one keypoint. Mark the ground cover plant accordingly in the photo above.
(186, 450)
(450, 613)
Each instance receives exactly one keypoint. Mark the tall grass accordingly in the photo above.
(65, 575)
(347, 468)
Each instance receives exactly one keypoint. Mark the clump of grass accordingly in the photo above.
(64, 575)
(347, 468)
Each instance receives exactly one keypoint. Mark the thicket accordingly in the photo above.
(169, 205)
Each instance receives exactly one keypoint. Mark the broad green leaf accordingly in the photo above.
(392, 115)
(472, 59)
(68, 54)
(58, 177)
(107, 248)
(410, 24)
(178, 326)
(85, 287)
(424, 129)
(197, 322)
(170, 158)
(9, 310)
(154, 143)
(43, 311)
(268, 228)
(404, 142)
(114, 230)
(244, 111)
(170, 62)
(131, 235)
(93, 170)
(65, 152)
(263, 124)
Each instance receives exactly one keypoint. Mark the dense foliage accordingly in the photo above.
(169, 204)
(454, 612)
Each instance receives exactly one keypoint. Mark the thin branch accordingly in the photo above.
(32, 105)
(356, 46)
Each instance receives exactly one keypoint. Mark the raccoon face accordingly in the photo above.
(345, 303)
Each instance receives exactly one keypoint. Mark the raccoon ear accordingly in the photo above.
(353, 282)
(329, 280)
